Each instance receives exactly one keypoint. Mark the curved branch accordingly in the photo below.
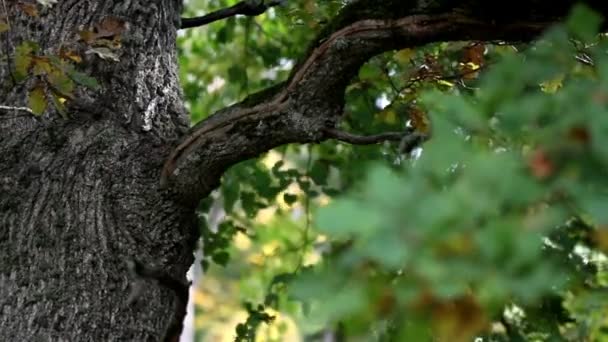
(311, 101)
(247, 7)
(407, 140)
(364, 139)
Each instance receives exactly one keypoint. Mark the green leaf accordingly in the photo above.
(346, 218)
(290, 198)
(221, 258)
(237, 74)
(60, 81)
(584, 21)
(83, 79)
(37, 100)
(23, 58)
(319, 173)
(388, 250)
(370, 72)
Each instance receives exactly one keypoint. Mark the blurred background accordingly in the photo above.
(494, 230)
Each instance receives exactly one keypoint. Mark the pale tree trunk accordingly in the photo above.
(120, 178)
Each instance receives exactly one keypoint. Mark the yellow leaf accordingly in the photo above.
(404, 55)
(389, 116)
(4, 26)
(23, 58)
(445, 83)
(472, 66)
(71, 55)
(37, 100)
(551, 86)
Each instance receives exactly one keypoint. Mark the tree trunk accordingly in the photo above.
(81, 197)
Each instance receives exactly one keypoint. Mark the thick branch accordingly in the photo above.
(250, 8)
(311, 101)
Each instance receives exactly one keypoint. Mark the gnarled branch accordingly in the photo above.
(364, 139)
(311, 101)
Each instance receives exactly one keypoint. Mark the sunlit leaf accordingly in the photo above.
(404, 55)
(37, 100)
(23, 58)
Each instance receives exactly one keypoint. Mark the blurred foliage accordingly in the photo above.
(495, 229)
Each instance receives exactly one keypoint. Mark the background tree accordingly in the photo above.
(103, 175)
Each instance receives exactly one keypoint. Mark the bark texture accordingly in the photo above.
(121, 177)
(80, 197)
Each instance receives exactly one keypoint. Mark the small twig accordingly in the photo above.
(452, 77)
(23, 109)
(364, 139)
(249, 8)
(585, 59)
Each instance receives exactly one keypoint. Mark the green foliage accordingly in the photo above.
(498, 230)
(56, 71)
(246, 332)
(57, 76)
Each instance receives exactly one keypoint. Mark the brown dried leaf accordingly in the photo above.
(41, 65)
(459, 320)
(29, 8)
(87, 36)
(419, 120)
(474, 54)
(110, 27)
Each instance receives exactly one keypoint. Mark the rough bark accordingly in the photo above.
(81, 196)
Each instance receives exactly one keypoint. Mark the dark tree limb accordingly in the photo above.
(311, 101)
(407, 140)
(249, 8)
(356, 139)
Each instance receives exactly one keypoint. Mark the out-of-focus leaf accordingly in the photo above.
(583, 21)
(4, 26)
